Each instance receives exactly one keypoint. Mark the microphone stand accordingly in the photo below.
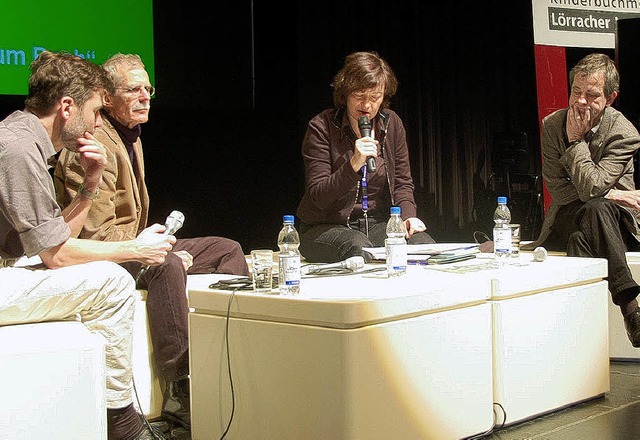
(365, 199)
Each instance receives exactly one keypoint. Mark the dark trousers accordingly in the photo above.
(330, 243)
(167, 305)
(596, 229)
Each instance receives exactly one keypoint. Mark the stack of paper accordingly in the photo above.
(433, 253)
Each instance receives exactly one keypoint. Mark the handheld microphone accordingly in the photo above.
(539, 254)
(173, 222)
(364, 125)
(351, 263)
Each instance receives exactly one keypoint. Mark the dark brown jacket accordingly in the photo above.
(331, 185)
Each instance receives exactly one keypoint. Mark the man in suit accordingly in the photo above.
(587, 167)
(120, 212)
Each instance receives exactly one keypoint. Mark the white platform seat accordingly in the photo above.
(619, 346)
(620, 349)
(53, 382)
(147, 376)
(148, 382)
(55, 375)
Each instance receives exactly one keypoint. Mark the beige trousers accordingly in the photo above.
(100, 294)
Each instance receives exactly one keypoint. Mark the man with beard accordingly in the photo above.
(62, 111)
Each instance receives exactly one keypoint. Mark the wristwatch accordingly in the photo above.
(86, 194)
(576, 142)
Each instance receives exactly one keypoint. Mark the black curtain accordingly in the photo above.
(237, 86)
(466, 72)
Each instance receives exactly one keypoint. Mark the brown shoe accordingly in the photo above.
(632, 325)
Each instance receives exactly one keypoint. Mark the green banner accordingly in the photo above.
(91, 30)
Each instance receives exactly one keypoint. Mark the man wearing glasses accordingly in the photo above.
(120, 211)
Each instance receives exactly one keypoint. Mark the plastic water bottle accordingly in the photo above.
(501, 230)
(396, 244)
(289, 274)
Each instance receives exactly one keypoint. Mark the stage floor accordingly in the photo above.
(616, 416)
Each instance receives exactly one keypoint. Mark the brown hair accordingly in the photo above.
(362, 71)
(58, 74)
(595, 63)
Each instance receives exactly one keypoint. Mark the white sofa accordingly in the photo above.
(54, 379)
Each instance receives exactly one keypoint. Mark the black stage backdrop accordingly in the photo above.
(236, 87)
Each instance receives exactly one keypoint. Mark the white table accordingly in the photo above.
(550, 335)
(352, 357)
(425, 356)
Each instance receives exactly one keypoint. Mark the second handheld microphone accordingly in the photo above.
(364, 124)
(173, 222)
(352, 263)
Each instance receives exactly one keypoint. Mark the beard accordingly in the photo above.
(72, 131)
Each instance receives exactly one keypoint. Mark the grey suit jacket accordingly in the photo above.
(587, 170)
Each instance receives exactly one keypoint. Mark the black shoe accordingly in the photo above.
(151, 434)
(176, 406)
(632, 325)
(179, 433)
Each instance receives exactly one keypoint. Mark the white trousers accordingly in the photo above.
(100, 294)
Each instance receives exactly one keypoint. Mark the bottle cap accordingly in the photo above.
(502, 200)
(287, 219)
(395, 210)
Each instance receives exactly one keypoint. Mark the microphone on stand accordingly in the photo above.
(364, 124)
(351, 263)
(173, 222)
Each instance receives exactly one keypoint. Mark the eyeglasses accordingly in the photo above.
(137, 91)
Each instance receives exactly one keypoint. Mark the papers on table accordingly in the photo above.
(433, 253)
(25, 261)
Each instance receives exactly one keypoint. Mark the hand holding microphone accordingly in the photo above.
(364, 124)
(173, 222)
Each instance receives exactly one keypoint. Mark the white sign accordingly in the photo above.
(580, 23)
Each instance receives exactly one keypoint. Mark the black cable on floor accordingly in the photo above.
(493, 427)
(142, 416)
